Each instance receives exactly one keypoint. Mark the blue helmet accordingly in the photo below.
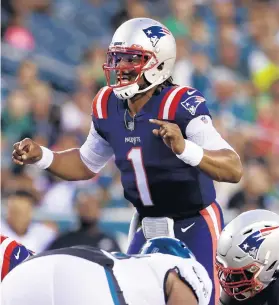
(166, 245)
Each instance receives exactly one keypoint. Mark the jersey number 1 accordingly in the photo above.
(135, 156)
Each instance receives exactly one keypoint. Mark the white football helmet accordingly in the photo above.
(248, 254)
(140, 46)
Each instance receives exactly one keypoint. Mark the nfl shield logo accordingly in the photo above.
(131, 126)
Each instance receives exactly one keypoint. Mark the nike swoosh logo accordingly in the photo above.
(187, 228)
(17, 255)
(191, 92)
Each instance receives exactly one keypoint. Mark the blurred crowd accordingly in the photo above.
(52, 56)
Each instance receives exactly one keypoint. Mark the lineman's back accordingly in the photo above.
(85, 275)
(143, 277)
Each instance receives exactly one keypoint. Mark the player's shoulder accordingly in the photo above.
(160, 260)
(100, 102)
(12, 254)
(182, 103)
(189, 271)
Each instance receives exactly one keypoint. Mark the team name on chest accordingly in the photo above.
(133, 140)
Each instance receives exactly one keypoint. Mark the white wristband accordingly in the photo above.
(46, 160)
(192, 153)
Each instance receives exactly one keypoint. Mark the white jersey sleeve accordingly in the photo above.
(189, 270)
(96, 151)
(197, 277)
(201, 131)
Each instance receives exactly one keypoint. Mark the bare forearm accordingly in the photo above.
(222, 165)
(178, 292)
(181, 299)
(68, 165)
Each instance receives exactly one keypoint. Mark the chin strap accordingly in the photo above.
(129, 91)
(126, 92)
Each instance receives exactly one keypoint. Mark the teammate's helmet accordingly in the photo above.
(139, 47)
(248, 253)
(166, 245)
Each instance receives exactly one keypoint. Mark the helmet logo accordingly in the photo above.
(252, 243)
(155, 33)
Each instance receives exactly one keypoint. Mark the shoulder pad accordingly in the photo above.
(192, 104)
(170, 102)
(13, 253)
(100, 103)
(186, 102)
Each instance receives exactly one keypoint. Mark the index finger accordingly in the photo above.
(17, 149)
(24, 144)
(16, 145)
(158, 122)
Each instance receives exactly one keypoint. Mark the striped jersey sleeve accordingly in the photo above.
(12, 254)
(182, 104)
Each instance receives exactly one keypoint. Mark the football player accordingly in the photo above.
(248, 259)
(12, 254)
(162, 137)
(86, 275)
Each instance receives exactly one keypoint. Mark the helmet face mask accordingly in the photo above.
(125, 66)
(240, 283)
